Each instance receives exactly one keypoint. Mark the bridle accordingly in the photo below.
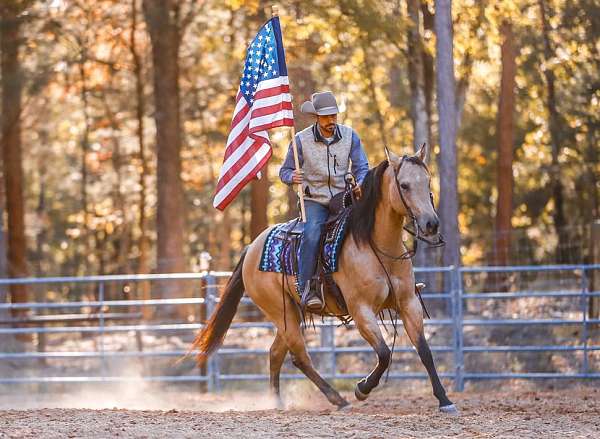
(416, 231)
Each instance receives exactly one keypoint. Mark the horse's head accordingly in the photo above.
(407, 181)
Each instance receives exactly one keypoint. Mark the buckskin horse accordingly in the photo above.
(373, 275)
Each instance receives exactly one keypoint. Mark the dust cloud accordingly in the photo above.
(137, 394)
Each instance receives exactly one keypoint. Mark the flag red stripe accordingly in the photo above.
(251, 175)
(236, 143)
(276, 114)
(230, 149)
(265, 111)
(239, 116)
(273, 91)
(239, 164)
(241, 161)
(284, 122)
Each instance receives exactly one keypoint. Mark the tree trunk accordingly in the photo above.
(369, 70)
(259, 195)
(83, 265)
(594, 302)
(10, 42)
(41, 236)
(123, 240)
(419, 115)
(593, 212)
(446, 104)
(259, 201)
(504, 177)
(162, 18)
(3, 265)
(461, 91)
(224, 253)
(395, 88)
(554, 125)
(505, 134)
(592, 153)
(429, 74)
(244, 226)
(416, 74)
(462, 86)
(144, 291)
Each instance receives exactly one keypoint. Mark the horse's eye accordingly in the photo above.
(405, 186)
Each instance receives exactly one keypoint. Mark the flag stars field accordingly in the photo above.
(263, 102)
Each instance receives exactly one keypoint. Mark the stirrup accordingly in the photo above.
(311, 300)
(314, 304)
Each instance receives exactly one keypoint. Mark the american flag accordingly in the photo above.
(263, 101)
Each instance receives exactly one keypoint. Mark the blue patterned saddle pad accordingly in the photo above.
(282, 247)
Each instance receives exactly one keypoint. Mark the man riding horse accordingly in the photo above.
(325, 150)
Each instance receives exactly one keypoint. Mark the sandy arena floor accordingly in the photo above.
(390, 413)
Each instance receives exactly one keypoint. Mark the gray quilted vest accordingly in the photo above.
(324, 166)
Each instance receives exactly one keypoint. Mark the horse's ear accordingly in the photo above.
(422, 153)
(392, 158)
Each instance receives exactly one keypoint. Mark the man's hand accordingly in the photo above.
(298, 176)
(357, 192)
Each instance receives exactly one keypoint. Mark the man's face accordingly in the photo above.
(327, 123)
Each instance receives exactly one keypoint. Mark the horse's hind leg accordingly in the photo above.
(295, 342)
(276, 356)
(366, 322)
(303, 362)
(412, 316)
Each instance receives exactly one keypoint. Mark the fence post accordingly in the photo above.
(101, 321)
(594, 306)
(328, 341)
(457, 317)
(585, 304)
(212, 366)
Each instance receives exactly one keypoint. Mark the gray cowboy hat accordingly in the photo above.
(321, 103)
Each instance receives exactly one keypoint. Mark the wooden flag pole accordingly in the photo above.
(275, 11)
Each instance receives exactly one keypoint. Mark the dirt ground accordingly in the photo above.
(393, 412)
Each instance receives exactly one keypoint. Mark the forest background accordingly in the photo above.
(115, 116)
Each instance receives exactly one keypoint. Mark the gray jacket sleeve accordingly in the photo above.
(360, 164)
(287, 168)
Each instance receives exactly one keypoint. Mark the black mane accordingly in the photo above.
(362, 217)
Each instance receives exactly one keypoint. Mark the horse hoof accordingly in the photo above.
(345, 406)
(359, 395)
(449, 409)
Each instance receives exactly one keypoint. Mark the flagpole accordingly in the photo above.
(275, 13)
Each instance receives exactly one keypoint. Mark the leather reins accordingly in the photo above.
(417, 229)
(416, 233)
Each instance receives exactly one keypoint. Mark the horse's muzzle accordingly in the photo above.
(432, 226)
(429, 225)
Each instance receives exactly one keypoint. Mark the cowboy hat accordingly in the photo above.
(321, 103)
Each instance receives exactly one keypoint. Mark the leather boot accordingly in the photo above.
(311, 298)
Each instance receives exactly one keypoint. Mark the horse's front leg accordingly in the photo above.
(411, 313)
(366, 322)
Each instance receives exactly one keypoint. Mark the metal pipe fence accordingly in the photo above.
(462, 302)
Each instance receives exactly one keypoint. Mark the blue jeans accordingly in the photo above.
(316, 215)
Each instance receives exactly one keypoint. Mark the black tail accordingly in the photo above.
(211, 337)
